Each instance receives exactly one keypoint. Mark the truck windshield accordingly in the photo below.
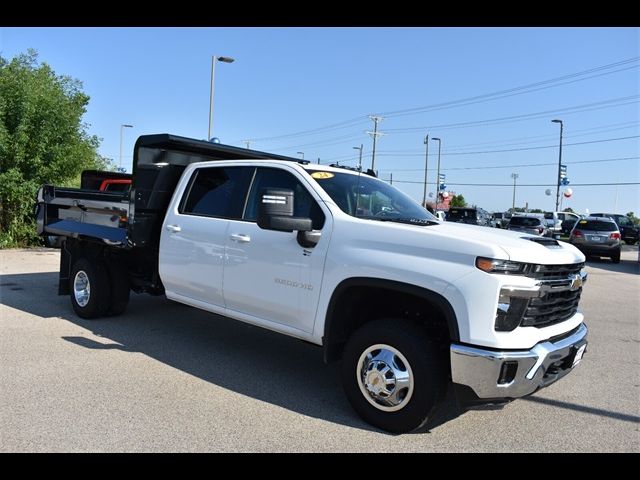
(365, 197)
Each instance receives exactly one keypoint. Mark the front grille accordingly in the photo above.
(552, 308)
(553, 272)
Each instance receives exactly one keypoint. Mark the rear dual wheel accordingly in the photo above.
(97, 289)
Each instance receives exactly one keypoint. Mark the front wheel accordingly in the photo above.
(393, 374)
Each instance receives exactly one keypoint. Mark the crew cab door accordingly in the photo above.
(269, 278)
(194, 233)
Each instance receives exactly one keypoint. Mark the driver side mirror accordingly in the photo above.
(275, 212)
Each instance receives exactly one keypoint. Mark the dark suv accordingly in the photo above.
(597, 236)
(629, 232)
(471, 216)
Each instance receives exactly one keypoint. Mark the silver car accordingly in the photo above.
(597, 236)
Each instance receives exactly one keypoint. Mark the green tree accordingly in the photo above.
(458, 201)
(633, 218)
(42, 140)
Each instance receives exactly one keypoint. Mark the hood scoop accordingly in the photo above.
(544, 241)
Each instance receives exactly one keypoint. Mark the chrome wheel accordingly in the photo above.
(81, 288)
(385, 378)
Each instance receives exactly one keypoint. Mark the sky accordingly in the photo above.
(489, 94)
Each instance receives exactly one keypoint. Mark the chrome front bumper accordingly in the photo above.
(527, 371)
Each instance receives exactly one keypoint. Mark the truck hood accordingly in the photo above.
(519, 247)
(453, 241)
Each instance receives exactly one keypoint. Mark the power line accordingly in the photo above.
(510, 141)
(384, 154)
(360, 119)
(312, 131)
(516, 165)
(328, 141)
(598, 129)
(522, 87)
(347, 138)
(587, 132)
(491, 97)
(525, 184)
(496, 121)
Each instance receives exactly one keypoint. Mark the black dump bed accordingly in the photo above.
(132, 219)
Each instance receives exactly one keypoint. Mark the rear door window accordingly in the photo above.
(215, 192)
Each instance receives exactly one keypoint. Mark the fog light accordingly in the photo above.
(507, 372)
(509, 315)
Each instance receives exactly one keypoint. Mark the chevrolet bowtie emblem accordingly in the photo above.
(576, 282)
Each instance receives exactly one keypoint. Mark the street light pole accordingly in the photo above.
(426, 164)
(302, 155)
(438, 175)
(214, 59)
(359, 157)
(122, 127)
(513, 203)
(559, 163)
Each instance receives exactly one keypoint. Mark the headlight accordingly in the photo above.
(491, 265)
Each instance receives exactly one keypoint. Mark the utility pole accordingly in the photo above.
(247, 144)
(426, 164)
(438, 176)
(559, 164)
(391, 179)
(513, 203)
(375, 134)
(318, 160)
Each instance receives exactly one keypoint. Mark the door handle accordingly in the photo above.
(240, 238)
(173, 228)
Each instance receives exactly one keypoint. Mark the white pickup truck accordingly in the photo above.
(334, 257)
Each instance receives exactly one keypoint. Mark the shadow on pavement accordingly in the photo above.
(249, 360)
(603, 263)
(625, 417)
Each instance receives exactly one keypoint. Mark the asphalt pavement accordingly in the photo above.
(166, 377)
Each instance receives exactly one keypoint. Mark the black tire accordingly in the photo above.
(99, 298)
(120, 288)
(630, 242)
(428, 364)
(615, 258)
